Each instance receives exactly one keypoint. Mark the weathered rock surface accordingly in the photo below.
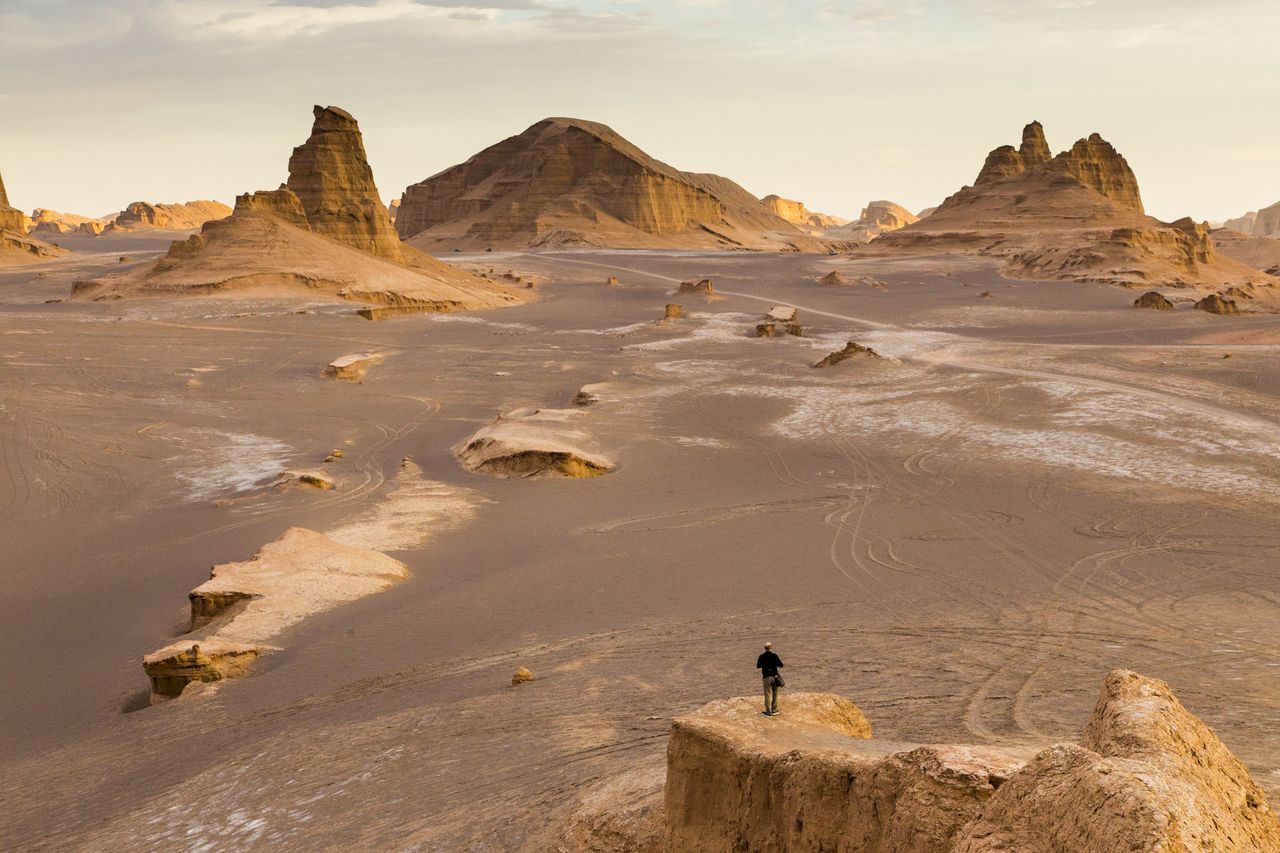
(521, 676)
(673, 311)
(1147, 776)
(16, 246)
(1153, 299)
(780, 318)
(567, 181)
(529, 443)
(797, 214)
(175, 217)
(1215, 304)
(325, 231)
(244, 606)
(1257, 223)
(1075, 216)
(851, 350)
(704, 286)
(354, 366)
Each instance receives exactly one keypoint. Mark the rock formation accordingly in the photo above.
(92, 229)
(704, 286)
(1257, 223)
(324, 231)
(1153, 299)
(1147, 776)
(673, 311)
(170, 217)
(245, 605)
(1075, 216)
(780, 317)
(45, 221)
(566, 181)
(878, 217)
(851, 350)
(1215, 304)
(834, 277)
(352, 367)
(393, 209)
(16, 247)
(529, 443)
(797, 214)
(521, 676)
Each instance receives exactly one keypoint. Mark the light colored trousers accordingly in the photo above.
(770, 694)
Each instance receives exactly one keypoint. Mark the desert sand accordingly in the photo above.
(1034, 484)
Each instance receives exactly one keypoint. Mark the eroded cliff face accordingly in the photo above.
(573, 182)
(16, 247)
(1075, 216)
(330, 174)
(796, 213)
(178, 217)
(1146, 776)
(877, 218)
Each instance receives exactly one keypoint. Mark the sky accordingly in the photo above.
(832, 102)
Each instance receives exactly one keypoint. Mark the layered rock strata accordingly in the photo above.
(325, 231)
(16, 246)
(1154, 300)
(1147, 775)
(797, 214)
(566, 181)
(183, 216)
(1074, 216)
(851, 350)
(528, 443)
(1257, 223)
(877, 218)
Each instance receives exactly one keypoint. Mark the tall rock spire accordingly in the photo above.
(4, 197)
(1034, 148)
(331, 176)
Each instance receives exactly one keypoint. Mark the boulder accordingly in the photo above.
(521, 676)
(534, 443)
(673, 311)
(1215, 304)
(851, 350)
(354, 366)
(1153, 299)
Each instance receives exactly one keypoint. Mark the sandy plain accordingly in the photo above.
(1029, 489)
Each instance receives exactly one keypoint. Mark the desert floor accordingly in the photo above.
(963, 537)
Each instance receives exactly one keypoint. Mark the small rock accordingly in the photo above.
(521, 676)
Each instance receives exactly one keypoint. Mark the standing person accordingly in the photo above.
(769, 664)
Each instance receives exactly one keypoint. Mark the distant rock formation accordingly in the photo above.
(1153, 299)
(184, 216)
(797, 214)
(393, 209)
(92, 229)
(528, 443)
(244, 606)
(851, 350)
(1257, 223)
(1076, 216)
(1147, 776)
(878, 217)
(324, 231)
(45, 221)
(566, 181)
(16, 247)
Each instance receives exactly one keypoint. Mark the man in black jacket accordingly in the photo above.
(769, 664)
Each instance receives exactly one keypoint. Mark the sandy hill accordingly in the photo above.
(175, 217)
(1075, 216)
(571, 182)
(797, 214)
(324, 230)
(16, 247)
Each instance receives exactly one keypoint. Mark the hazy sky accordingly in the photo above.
(834, 102)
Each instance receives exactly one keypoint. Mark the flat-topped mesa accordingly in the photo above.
(566, 181)
(331, 176)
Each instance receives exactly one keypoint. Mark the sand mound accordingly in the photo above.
(1077, 216)
(243, 606)
(529, 443)
(324, 231)
(570, 182)
(1147, 775)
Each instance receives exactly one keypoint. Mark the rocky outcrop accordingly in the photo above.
(1153, 299)
(704, 286)
(354, 366)
(16, 246)
(1146, 776)
(521, 676)
(528, 443)
(173, 217)
(331, 177)
(851, 350)
(1257, 223)
(1215, 304)
(566, 181)
(243, 606)
(325, 231)
(780, 319)
(797, 214)
(673, 311)
(878, 217)
(46, 221)
(1075, 216)
(91, 229)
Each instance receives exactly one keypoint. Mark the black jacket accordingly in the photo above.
(768, 664)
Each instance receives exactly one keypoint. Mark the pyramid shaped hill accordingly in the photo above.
(16, 246)
(325, 230)
(568, 182)
(1075, 216)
